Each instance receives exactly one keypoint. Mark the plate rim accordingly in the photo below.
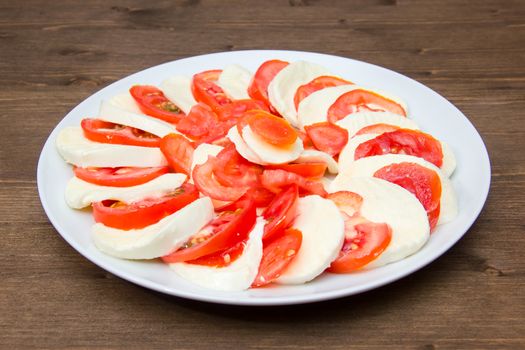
(254, 300)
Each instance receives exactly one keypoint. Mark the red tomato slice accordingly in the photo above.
(105, 132)
(281, 212)
(377, 129)
(272, 129)
(260, 196)
(206, 90)
(258, 88)
(310, 171)
(277, 255)
(424, 183)
(145, 212)
(364, 242)
(236, 109)
(357, 100)
(178, 151)
(119, 177)
(223, 232)
(275, 179)
(327, 137)
(347, 202)
(221, 258)
(201, 124)
(207, 183)
(231, 169)
(318, 83)
(403, 141)
(152, 102)
(307, 141)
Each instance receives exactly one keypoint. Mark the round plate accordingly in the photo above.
(433, 113)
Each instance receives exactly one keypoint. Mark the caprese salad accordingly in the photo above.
(241, 180)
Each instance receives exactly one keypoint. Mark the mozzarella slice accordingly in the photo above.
(79, 151)
(310, 156)
(366, 167)
(237, 276)
(357, 121)
(268, 153)
(177, 89)
(235, 80)
(347, 155)
(126, 102)
(241, 147)
(202, 152)
(155, 240)
(322, 226)
(79, 193)
(284, 85)
(111, 113)
(384, 202)
(314, 108)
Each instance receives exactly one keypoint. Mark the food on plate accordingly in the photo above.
(242, 180)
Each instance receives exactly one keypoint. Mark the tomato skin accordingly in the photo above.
(275, 179)
(258, 88)
(145, 212)
(272, 129)
(403, 141)
(205, 89)
(327, 137)
(228, 229)
(281, 212)
(317, 84)
(424, 183)
(310, 171)
(357, 100)
(231, 169)
(178, 151)
(105, 132)
(152, 102)
(201, 124)
(364, 244)
(277, 255)
(119, 177)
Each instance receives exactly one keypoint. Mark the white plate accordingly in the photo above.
(432, 112)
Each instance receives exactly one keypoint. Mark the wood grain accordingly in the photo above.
(55, 54)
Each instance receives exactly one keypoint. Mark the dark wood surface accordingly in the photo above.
(53, 54)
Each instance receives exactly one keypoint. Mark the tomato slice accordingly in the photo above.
(231, 169)
(403, 141)
(226, 230)
(235, 110)
(327, 137)
(277, 255)
(206, 90)
(119, 177)
(424, 183)
(357, 100)
(317, 84)
(201, 124)
(145, 212)
(281, 212)
(105, 132)
(206, 182)
(377, 129)
(272, 129)
(310, 171)
(276, 179)
(152, 102)
(178, 151)
(221, 258)
(347, 202)
(258, 88)
(364, 242)
(260, 196)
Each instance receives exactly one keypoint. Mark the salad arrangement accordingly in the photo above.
(241, 180)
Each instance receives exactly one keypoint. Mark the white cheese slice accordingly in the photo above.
(314, 108)
(158, 239)
(311, 156)
(177, 89)
(235, 80)
(80, 194)
(282, 88)
(126, 102)
(237, 276)
(202, 152)
(111, 113)
(79, 151)
(384, 202)
(268, 153)
(354, 122)
(322, 227)
(242, 148)
(366, 167)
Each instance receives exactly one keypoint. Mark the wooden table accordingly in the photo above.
(54, 54)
